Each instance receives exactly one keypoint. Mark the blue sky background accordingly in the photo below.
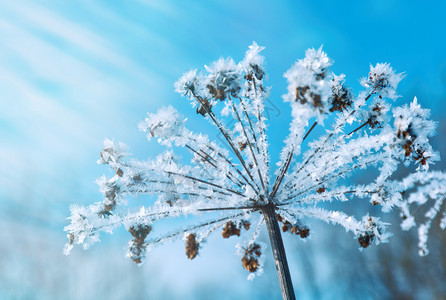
(75, 72)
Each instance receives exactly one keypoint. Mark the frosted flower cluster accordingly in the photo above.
(165, 125)
(383, 79)
(228, 191)
(309, 85)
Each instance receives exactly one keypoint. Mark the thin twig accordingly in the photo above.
(175, 234)
(250, 124)
(229, 163)
(206, 159)
(250, 146)
(323, 180)
(287, 165)
(254, 207)
(206, 182)
(358, 128)
(261, 126)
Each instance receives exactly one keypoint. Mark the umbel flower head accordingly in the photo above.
(229, 188)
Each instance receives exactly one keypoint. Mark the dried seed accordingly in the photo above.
(191, 246)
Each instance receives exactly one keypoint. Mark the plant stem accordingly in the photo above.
(279, 252)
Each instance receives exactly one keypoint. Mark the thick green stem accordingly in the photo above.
(275, 237)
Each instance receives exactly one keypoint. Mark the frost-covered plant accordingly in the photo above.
(231, 191)
(422, 189)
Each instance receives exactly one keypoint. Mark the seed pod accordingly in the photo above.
(250, 260)
(137, 247)
(320, 190)
(303, 232)
(71, 237)
(230, 229)
(366, 239)
(286, 226)
(204, 107)
(191, 246)
(246, 224)
(140, 232)
(242, 146)
(119, 172)
(300, 94)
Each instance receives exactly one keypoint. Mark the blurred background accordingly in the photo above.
(75, 72)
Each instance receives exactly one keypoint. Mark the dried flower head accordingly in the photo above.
(341, 98)
(232, 190)
(223, 79)
(383, 80)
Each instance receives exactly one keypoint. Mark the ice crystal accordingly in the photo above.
(228, 191)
